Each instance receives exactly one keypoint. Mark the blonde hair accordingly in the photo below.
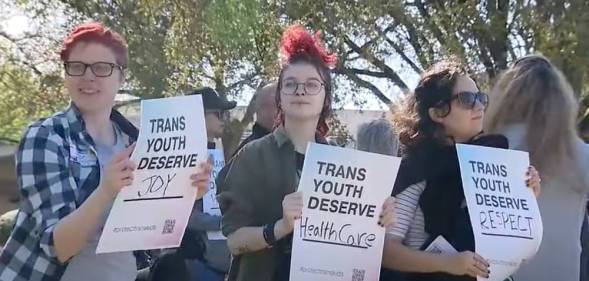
(535, 93)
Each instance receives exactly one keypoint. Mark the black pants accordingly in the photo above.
(168, 266)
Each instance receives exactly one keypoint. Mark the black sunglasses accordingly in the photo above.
(467, 100)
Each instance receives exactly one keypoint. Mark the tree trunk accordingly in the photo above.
(234, 130)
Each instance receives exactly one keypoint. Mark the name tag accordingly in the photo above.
(84, 158)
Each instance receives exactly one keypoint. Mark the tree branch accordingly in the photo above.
(383, 33)
(248, 116)
(365, 84)
(404, 56)
(248, 79)
(362, 72)
(414, 36)
(365, 46)
(20, 49)
(389, 72)
(499, 38)
(435, 29)
(432, 25)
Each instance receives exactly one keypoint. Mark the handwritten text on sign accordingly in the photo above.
(504, 218)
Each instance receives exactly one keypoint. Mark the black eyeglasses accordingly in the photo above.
(100, 69)
(221, 114)
(467, 100)
(312, 86)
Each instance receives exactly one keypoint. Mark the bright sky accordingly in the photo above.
(15, 23)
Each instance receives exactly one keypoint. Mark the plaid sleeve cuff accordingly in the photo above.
(47, 243)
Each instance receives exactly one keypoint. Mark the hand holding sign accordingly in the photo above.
(200, 180)
(467, 263)
(387, 217)
(292, 208)
(533, 181)
(118, 173)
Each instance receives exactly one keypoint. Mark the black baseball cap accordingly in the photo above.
(212, 100)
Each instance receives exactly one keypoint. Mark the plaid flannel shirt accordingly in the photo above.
(57, 169)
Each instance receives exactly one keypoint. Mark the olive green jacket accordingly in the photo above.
(250, 191)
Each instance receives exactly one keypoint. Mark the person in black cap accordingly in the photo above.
(216, 112)
(216, 258)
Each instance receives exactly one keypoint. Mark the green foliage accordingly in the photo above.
(382, 45)
(24, 98)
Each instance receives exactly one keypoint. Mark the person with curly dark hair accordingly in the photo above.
(445, 108)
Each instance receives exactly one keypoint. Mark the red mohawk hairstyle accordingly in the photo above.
(299, 46)
(297, 42)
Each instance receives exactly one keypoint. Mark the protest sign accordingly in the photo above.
(210, 204)
(153, 212)
(503, 212)
(338, 236)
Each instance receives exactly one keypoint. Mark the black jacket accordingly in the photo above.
(258, 131)
(441, 201)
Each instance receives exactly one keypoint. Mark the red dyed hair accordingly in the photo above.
(296, 41)
(298, 45)
(95, 32)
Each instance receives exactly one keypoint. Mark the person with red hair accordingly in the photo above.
(70, 168)
(257, 188)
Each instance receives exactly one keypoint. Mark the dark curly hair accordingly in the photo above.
(411, 119)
